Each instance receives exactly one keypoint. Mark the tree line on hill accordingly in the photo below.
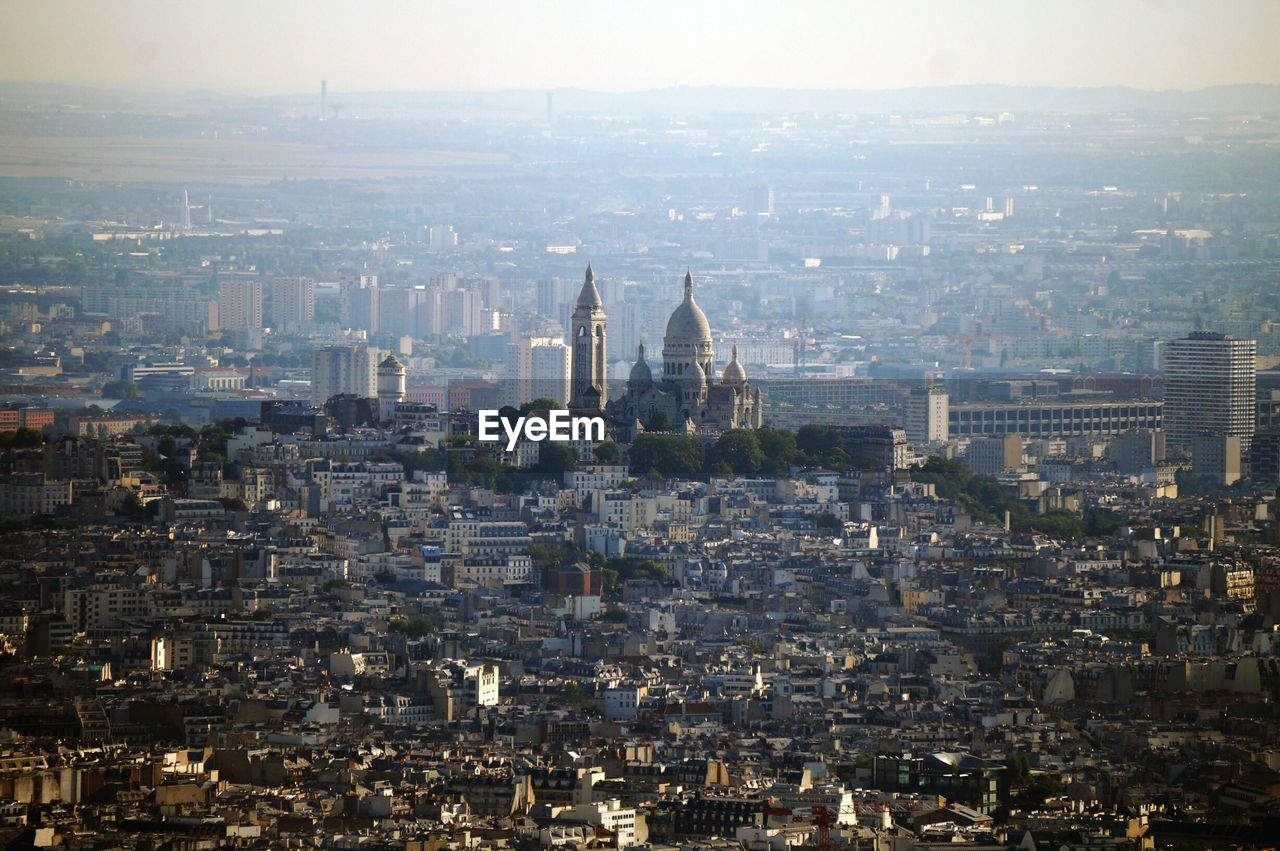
(763, 452)
(744, 452)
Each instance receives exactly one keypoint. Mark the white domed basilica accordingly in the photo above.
(686, 392)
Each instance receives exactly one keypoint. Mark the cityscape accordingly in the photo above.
(707, 466)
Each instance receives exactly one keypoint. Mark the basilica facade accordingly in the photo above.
(685, 394)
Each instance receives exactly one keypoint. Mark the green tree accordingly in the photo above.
(575, 696)
(132, 507)
(659, 421)
(22, 438)
(545, 555)
(542, 403)
(1044, 786)
(120, 389)
(740, 450)
(817, 441)
(987, 499)
(827, 520)
(509, 416)
(948, 477)
(415, 628)
(671, 455)
(555, 459)
(606, 452)
(1058, 523)
(779, 448)
(613, 615)
(1100, 523)
(431, 460)
(618, 570)
(1017, 769)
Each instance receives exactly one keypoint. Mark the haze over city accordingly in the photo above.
(705, 426)
(283, 47)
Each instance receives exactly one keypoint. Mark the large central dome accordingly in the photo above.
(688, 323)
(687, 393)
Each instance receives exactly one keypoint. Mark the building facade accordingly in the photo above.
(1053, 419)
(293, 304)
(1210, 385)
(391, 387)
(240, 303)
(343, 369)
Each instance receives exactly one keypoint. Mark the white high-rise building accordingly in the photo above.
(1216, 457)
(440, 237)
(240, 303)
(995, 456)
(626, 327)
(536, 366)
(761, 201)
(358, 302)
(551, 371)
(1210, 383)
(461, 313)
(293, 304)
(343, 369)
(928, 414)
(553, 294)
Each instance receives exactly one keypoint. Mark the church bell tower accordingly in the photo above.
(588, 388)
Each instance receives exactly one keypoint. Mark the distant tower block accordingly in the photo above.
(391, 387)
(324, 96)
(186, 211)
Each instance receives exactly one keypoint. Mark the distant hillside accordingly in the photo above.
(681, 100)
(694, 100)
(1216, 100)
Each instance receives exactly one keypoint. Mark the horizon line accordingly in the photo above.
(122, 88)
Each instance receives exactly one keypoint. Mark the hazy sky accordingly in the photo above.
(270, 46)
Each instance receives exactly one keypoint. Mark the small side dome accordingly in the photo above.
(641, 376)
(390, 362)
(694, 376)
(734, 374)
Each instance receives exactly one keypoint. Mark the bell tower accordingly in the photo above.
(588, 389)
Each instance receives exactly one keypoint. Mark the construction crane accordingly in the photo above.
(824, 818)
(771, 810)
